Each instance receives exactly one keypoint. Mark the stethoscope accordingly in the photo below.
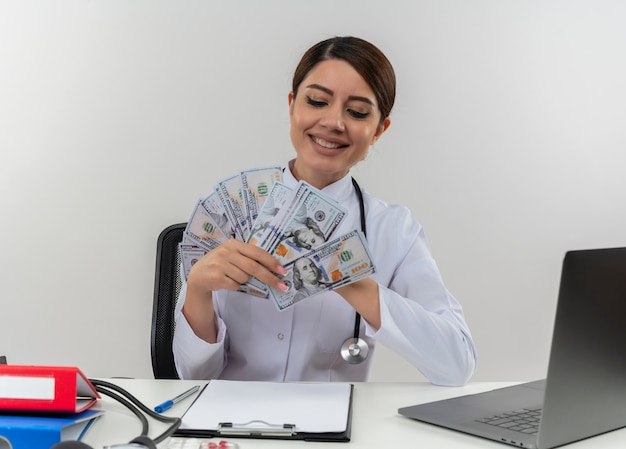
(354, 350)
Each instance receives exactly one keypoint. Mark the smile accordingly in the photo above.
(326, 144)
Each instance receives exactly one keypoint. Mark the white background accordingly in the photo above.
(507, 143)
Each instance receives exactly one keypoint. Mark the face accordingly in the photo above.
(307, 270)
(334, 120)
(308, 238)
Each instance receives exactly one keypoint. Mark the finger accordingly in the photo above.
(237, 273)
(211, 275)
(264, 275)
(232, 263)
(261, 256)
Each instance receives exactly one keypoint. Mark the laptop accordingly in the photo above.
(584, 393)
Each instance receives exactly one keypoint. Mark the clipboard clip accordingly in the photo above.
(257, 428)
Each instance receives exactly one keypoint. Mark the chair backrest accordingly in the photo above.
(167, 284)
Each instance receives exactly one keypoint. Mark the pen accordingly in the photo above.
(167, 404)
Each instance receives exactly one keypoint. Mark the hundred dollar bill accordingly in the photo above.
(186, 240)
(339, 262)
(202, 230)
(311, 210)
(230, 193)
(275, 201)
(189, 255)
(215, 208)
(252, 289)
(257, 184)
(309, 218)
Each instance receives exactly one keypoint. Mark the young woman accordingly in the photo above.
(342, 94)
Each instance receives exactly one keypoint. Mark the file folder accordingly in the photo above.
(276, 410)
(29, 431)
(45, 389)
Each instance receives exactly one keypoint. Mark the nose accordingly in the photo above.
(333, 119)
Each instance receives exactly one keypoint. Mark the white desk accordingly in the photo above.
(375, 420)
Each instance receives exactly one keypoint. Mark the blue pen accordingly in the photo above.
(167, 404)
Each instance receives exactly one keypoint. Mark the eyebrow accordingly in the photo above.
(330, 92)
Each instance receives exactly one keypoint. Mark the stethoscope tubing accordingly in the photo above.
(355, 350)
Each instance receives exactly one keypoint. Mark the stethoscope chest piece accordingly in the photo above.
(354, 350)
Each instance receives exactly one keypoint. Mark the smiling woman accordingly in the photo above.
(334, 120)
(343, 91)
(342, 95)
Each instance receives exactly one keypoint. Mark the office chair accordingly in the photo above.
(167, 284)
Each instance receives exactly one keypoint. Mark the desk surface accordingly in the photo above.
(375, 420)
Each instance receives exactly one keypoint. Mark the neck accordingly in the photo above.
(318, 179)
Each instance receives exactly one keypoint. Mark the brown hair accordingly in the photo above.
(364, 57)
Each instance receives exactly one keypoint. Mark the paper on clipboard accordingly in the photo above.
(309, 407)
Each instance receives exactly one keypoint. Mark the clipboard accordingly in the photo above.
(275, 410)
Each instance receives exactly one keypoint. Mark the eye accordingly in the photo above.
(357, 114)
(315, 103)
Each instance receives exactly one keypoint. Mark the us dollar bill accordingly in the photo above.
(339, 262)
(257, 184)
(230, 192)
(276, 200)
(202, 231)
(189, 255)
(214, 206)
(252, 289)
(309, 218)
(256, 207)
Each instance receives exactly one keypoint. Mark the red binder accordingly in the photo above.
(45, 389)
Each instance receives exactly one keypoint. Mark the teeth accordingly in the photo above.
(325, 144)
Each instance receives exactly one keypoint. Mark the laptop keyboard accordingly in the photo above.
(524, 420)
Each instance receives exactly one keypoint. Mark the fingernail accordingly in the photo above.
(283, 287)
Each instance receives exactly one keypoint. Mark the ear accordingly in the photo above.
(381, 129)
(291, 99)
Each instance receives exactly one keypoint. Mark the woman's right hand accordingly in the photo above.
(226, 267)
(232, 264)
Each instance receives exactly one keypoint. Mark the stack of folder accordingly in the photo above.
(44, 405)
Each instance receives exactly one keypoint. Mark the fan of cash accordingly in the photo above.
(294, 225)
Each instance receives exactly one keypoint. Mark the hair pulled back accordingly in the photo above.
(364, 57)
